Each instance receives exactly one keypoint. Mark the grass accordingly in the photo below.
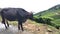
(13, 23)
(56, 31)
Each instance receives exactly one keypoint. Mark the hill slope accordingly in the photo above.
(53, 13)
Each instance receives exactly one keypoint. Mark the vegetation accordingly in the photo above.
(50, 16)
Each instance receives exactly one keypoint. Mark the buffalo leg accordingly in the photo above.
(18, 26)
(7, 23)
(5, 26)
(21, 26)
(3, 21)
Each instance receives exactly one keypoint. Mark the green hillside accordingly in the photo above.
(52, 13)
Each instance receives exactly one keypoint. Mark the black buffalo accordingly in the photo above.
(15, 14)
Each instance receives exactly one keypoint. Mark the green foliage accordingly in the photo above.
(50, 16)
